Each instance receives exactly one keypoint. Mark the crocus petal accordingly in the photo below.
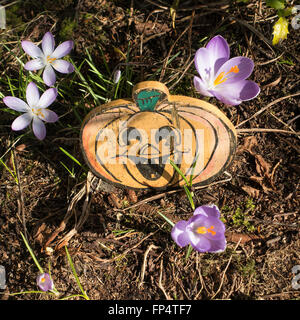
(44, 282)
(38, 128)
(16, 104)
(208, 211)
(63, 49)
(63, 66)
(179, 234)
(204, 230)
(218, 245)
(203, 65)
(31, 49)
(200, 244)
(32, 94)
(48, 44)
(235, 93)
(245, 67)
(249, 90)
(218, 52)
(34, 65)
(49, 116)
(21, 122)
(215, 227)
(201, 87)
(117, 76)
(47, 98)
(197, 219)
(49, 76)
(183, 239)
(229, 98)
(181, 225)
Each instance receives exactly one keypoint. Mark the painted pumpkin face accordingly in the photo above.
(131, 142)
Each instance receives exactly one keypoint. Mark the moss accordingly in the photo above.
(239, 216)
(67, 28)
(248, 269)
(13, 17)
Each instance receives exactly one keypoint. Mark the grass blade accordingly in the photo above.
(179, 171)
(70, 156)
(75, 274)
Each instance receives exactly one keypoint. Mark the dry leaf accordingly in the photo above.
(260, 181)
(263, 168)
(39, 234)
(21, 147)
(115, 201)
(149, 28)
(249, 143)
(252, 192)
(132, 196)
(273, 83)
(146, 209)
(240, 237)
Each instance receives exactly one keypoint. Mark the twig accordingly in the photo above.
(161, 195)
(259, 34)
(158, 5)
(266, 130)
(160, 285)
(224, 272)
(172, 47)
(273, 172)
(267, 107)
(152, 246)
(21, 197)
(126, 251)
(269, 61)
(182, 74)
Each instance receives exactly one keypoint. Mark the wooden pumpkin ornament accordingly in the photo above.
(130, 142)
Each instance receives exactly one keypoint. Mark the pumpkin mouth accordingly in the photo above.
(150, 163)
(151, 171)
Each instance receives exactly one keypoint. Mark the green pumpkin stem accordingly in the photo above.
(147, 99)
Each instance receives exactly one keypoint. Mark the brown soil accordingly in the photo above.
(122, 253)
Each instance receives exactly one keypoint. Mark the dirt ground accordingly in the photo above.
(123, 248)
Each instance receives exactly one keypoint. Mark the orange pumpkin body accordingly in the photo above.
(131, 142)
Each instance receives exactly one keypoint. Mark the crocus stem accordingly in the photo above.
(189, 251)
(32, 254)
(168, 220)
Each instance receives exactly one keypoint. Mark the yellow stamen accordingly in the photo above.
(203, 230)
(43, 280)
(211, 231)
(234, 69)
(38, 112)
(220, 79)
(50, 60)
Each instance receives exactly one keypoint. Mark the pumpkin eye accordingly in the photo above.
(128, 135)
(167, 133)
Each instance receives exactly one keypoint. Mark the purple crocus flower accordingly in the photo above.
(222, 77)
(44, 282)
(48, 57)
(35, 110)
(204, 231)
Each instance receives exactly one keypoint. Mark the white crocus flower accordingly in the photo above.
(48, 57)
(35, 110)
